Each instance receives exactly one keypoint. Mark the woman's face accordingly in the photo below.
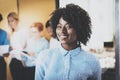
(50, 31)
(12, 22)
(66, 33)
(35, 32)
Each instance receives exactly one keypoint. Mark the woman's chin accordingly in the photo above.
(63, 42)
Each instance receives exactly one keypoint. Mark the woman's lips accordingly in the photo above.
(63, 36)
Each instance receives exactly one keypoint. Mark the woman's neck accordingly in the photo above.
(38, 37)
(69, 46)
(16, 28)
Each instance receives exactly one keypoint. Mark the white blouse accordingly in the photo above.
(53, 43)
(18, 39)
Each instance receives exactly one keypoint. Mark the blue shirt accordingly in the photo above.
(36, 47)
(3, 38)
(60, 64)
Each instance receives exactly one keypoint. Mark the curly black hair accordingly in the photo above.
(77, 17)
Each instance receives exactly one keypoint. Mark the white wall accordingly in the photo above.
(102, 17)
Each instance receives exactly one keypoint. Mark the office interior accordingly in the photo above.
(103, 16)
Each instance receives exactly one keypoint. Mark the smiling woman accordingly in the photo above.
(105, 26)
(72, 26)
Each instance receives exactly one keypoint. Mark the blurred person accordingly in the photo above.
(18, 39)
(19, 34)
(72, 26)
(53, 40)
(3, 41)
(34, 46)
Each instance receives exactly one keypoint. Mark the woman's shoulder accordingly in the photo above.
(44, 41)
(89, 56)
(91, 60)
(24, 30)
(46, 54)
(50, 51)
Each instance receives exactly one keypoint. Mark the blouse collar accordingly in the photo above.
(72, 52)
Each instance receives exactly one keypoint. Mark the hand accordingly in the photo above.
(31, 54)
(6, 54)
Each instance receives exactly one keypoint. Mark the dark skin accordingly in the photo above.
(66, 35)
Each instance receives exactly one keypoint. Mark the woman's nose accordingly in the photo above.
(63, 30)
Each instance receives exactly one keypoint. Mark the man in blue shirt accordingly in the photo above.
(3, 41)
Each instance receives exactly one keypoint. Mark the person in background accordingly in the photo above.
(3, 41)
(19, 35)
(53, 40)
(34, 46)
(18, 39)
(72, 26)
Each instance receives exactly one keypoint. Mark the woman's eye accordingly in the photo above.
(58, 27)
(68, 26)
